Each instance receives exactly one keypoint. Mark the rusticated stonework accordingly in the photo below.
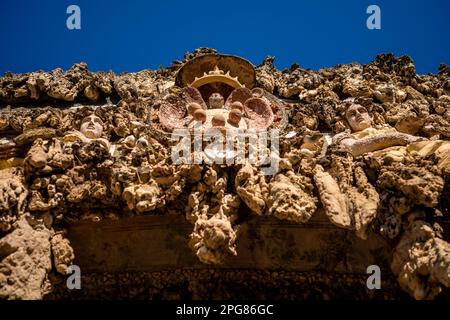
(87, 177)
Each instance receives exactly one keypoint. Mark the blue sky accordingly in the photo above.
(134, 35)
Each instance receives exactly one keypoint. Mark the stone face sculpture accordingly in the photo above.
(92, 127)
(91, 130)
(216, 101)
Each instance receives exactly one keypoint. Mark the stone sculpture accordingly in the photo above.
(87, 147)
(366, 139)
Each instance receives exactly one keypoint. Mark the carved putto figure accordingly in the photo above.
(387, 141)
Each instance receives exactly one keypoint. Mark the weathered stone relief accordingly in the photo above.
(78, 145)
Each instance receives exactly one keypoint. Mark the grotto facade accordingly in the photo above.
(359, 159)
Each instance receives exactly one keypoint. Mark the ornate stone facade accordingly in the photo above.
(87, 177)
